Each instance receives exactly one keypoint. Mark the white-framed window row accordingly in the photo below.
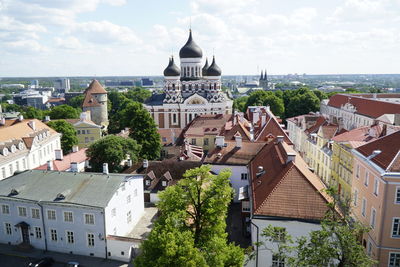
(396, 227)
(89, 218)
(5, 209)
(51, 215)
(22, 212)
(35, 213)
(394, 259)
(68, 216)
(397, 195)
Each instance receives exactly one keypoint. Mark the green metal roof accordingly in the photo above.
(92, 189)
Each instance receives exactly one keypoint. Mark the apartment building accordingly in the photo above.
(376, 197)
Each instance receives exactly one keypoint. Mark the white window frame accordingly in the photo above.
(89, 214)
(376, 186)
(48, 213)
(164, 183)
(90, 238)
(128, 199)
(396, 254)
(5, 207)
(129, 217)
(7, 228)
(35, 211)
(373, 218)
(69, 238)
(277, 262)
(397, 193)
(392, 228)
(19, 211)
(55, 235)
(366, 179)
(71, 214)
(355, 200)
(244, 174)
(113, 212)
(147, 182)
(38, 232)
(364, 207)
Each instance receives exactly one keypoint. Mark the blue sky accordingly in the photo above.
(129, 37)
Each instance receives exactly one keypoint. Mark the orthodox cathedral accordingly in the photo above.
(191, 90)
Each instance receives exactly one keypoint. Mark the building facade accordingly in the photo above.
(96, 102)
(191, 90)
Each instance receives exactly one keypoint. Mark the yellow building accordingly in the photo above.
(86, 130)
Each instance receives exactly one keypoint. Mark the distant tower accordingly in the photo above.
(264, 80)
(96, 102)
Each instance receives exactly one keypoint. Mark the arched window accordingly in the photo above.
(190, 87)
(192, 72)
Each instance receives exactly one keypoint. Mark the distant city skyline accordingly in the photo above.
(46, 38)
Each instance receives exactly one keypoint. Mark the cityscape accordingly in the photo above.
(202, 140)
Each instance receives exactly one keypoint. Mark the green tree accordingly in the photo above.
(239, 104)
(335, 244)
(142, 129)
(68, 138)
(193, 214)
(64, 112)
(302, 101)
(76, 101)
(267, 98)
(112, 150)
(138, 94)
(32, 113)
(321, 95)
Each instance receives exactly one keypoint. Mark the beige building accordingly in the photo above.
(376, 197)
(25, 145)
(87, 131)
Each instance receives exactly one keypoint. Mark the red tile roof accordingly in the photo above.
(272, 127)
(362, 134)
(207, 125)
(286, 188)
(389, 157)
(365, 105)
(65, 163)
(94, 88)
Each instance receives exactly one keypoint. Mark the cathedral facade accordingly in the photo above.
(190, 90)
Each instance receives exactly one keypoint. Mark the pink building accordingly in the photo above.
(376, 197)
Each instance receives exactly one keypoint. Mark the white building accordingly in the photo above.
(284, 193)
(25, 145)
(62, 84)
(70, 212)
(191, 90)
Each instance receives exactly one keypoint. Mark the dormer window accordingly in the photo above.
(20, 145)
(13, 149)
(164, 183)
(5, 151)
(147, 182)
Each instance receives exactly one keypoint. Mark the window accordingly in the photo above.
(397, 197)
(83, 131)
(91, 139)
(193, 142)
(5, 209)
(135, 192)
(364, 207)
(164, 183)
(147, 182)
(22, 211)
(53, 235)
(355, 197)
(128, 199)
(366, 181)
(38, 232)
(279, 234)
(35, 213)
(164, 139)
(70, 237)
(394, 259)
(244, 176)
(7, 228)
(376, 186)
(3, 171)
(373, 218)
(68, 216)
(86, 139)
(206, 141)
(89, 219)
(278, 260)
(113, 212)
(51, 214)
(396, 227)
(79, 132)
(87, 131)
(174, 119)
(90, 240)
(369, 248)
(129, 217)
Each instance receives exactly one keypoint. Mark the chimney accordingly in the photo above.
(268, 108)
(49, 165)
(32, 124)
(219, 155)
(74, 167)
(396, 119)
(256, 116)
(219, 141)
(251, 132)
(235, 118)
(46, 118)
(20, 117)
(145, 163)
(238, 140)
(263, 120)
(59, 154)
(105, 168)
(75, 149)
(280, 138)
(290, 157)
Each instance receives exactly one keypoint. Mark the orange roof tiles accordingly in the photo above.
(94, 88)
(207, 125)
(65, 163)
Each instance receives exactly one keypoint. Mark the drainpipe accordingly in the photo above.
(105, 234)
(44, 226)
(257, 242)
(383, 219)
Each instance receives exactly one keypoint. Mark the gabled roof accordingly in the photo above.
(207, 125)
(65, 163)
(272, 127)
(94, 88)
(389, 157)
(92, 189)
(328, 131)
(362, 134)
(240, 129)
(285, 187)
(319, 122)
(363, 104)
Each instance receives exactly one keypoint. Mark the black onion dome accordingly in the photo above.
(172, 69)
(190, 49)
(205, 68)
(213, 70)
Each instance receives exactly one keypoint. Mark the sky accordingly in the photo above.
(40, 38)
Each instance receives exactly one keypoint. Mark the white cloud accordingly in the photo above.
(69, 42)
